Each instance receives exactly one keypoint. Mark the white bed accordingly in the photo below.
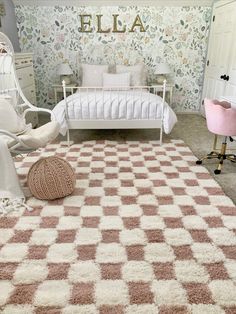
(96, 108)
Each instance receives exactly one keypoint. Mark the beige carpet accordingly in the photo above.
(146, 231)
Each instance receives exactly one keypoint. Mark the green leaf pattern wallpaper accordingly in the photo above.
(176, 35)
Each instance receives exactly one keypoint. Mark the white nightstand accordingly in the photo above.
(25, 74)
(159, 88)
(58, 90)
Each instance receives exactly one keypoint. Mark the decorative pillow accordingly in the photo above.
(93, 75)
(138, 75)
(116, 81)
(9, 120)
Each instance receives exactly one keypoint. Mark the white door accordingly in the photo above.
(219, 51)
(230, 89)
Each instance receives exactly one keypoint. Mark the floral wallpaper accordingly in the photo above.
(176, 35)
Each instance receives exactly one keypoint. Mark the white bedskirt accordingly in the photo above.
(115, 105)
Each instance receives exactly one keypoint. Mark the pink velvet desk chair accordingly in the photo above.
(221, 120)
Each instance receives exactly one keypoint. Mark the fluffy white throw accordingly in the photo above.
(11, 195)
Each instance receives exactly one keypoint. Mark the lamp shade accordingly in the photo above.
(163, 68)
(64, 69)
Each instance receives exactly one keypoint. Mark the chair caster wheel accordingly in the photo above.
(198, 162)
(217, 171)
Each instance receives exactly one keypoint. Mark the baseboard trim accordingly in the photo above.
(188, 112)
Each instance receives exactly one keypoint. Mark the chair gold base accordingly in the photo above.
(221, 156)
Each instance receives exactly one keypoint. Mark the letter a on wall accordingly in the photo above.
(138, 23)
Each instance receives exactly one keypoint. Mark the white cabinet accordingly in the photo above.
(220, 72)
(25, 74)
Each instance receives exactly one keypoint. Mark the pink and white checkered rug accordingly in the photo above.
(146, 231)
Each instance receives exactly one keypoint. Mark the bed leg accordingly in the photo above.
(68, 137)
(161, 133)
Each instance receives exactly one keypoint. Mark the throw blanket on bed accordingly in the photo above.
(114, 105)
(11, 195)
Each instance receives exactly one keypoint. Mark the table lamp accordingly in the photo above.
(161, 71)
(65, 72)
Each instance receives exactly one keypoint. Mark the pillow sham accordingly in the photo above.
(138, 75)
(116, 81)
(93, 75)
(10, 121)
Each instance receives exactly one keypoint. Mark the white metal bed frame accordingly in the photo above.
(115, 123)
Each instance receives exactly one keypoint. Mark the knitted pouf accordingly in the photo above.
(51, 178)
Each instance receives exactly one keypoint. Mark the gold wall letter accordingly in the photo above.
(115, 25)
(85, 23)
(99, 20)
(138, 23)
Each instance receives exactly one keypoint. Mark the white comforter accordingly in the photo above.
(115, 105)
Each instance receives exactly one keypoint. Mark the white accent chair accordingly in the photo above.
(25, 139)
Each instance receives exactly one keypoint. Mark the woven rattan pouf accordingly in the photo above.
(51, 178)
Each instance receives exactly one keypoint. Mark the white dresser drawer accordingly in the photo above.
(23, 62)
(29, 93)
(25, 76)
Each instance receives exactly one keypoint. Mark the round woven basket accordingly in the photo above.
(51, 178)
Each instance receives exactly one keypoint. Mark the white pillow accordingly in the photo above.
(93, 75)
(9, 120)
(116, 81)
(138, 76)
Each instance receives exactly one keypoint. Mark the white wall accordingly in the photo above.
(9, 24)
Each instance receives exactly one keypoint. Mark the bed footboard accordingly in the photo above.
(125, 99)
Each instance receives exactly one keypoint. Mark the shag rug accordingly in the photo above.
(146, 231)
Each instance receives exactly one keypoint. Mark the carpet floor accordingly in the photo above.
(146, 231)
